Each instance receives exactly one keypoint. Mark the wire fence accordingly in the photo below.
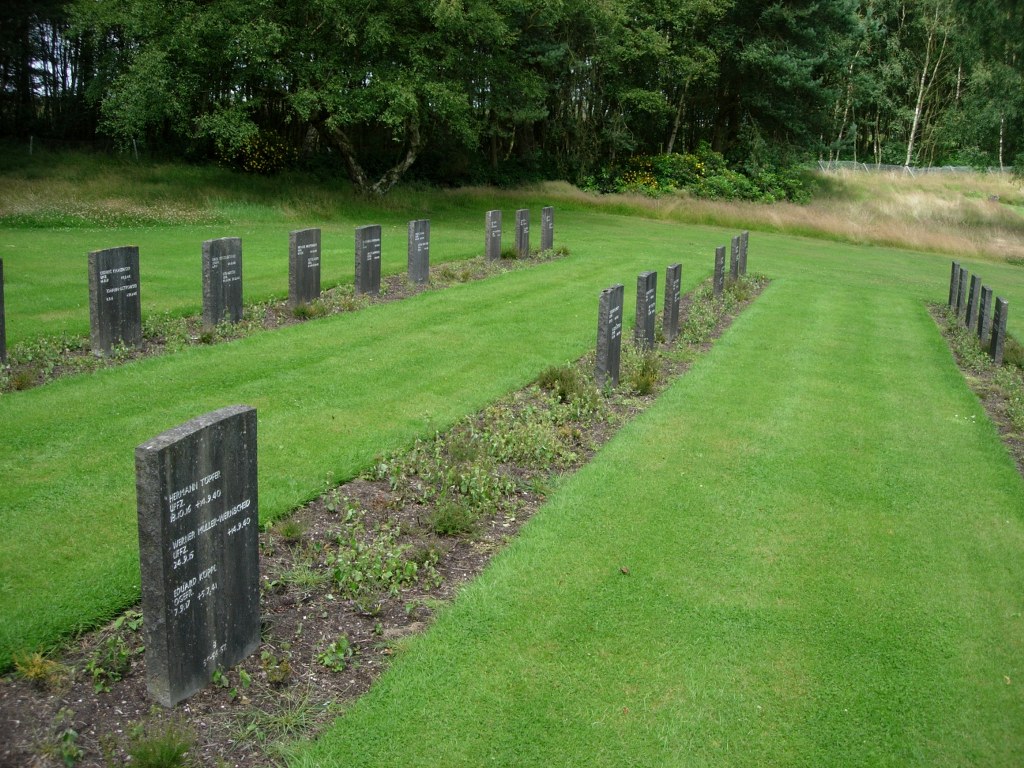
(849, 165)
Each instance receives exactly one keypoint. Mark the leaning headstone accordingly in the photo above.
(719, 270)
(368, 259)
(609, 335)
(961, 292)
(547, 228)
(303, 266)
(419, 251)
(115, 309)
(995, 349)
(673, 286)
(985, 314)
(974, 294)
(222, 281)
(198, 548)
(744, 239)
(3, 321)
(954, 276)
(734, 258)
(646, 309)
(523, 233)
(492, 246)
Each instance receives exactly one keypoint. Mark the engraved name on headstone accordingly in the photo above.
(973, 296)
(368, 259)
(995, 349)
(419, 251)
(222, 281)
(198, 548)
(303, 266)
(609, 335)
(744, 240)
(646, 309)
(985, 314)
(523, 233)
(719, 270)
(3, 321)
(961, 292)
(954, 276)
(492, 242)
(547, 228)
(734, 258)
(115, 308)
(673, 289)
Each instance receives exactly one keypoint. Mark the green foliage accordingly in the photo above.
(161, 746)
(337, 655)
(277, 669)
(40, 671)
(109, 662)
(64, 746)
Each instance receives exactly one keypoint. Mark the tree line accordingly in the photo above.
(454, 91)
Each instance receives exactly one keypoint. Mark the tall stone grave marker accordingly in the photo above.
(744, 240)
(303, 266)
(222, 280)
(419, 251)
(492, 244)
(198, 547)
(734, 258)
(3, 321)
(961, 292)
(368, 259)
(547, 228)
(646, 309)
(609, 335)
(995, 349)
(673, 289)
(719, 270)
(115, 309)
(954, 277)
(971, 317)
(985, 314)
(523, 233)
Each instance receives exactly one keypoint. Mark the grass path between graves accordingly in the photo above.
(824, 540)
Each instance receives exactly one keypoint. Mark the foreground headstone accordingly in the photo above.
(222, 281)
(719, 270)
(198, 548)
(646, 309)
(368, 259)
(744, 240)
(985, 314)
(995, 349)
(609, 335)
(303, 266)
(973, 297)
(523, 233)
(954, 277)
(3, 321)
(734, 258)
(547, 228)
(673, 289)
(419, 251)
(492, 244)
(961, 292)
(115, 308)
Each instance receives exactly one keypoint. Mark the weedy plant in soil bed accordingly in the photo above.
(348, 576)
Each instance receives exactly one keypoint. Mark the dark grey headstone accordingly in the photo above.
(492, 242)
(646, 309)
(974, 294)
(995, 349)
(3, 316)
(419, 251)
(368, 259)
(609, 335)
(222, 281)
(198, 548)
(115, 308)
(961, 292)
(673, 289)
(734, 258)
(985, 314)
(719, 270)
(303, 266)
(523, 233)
(547, 228)
(954, 277)
(744, 239)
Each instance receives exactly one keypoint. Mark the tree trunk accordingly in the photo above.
(926, 82)
(678, 121)
(362, 183)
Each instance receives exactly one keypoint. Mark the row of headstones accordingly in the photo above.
(198, 511)
(115, 306)
(610, 303)
(973, 306)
